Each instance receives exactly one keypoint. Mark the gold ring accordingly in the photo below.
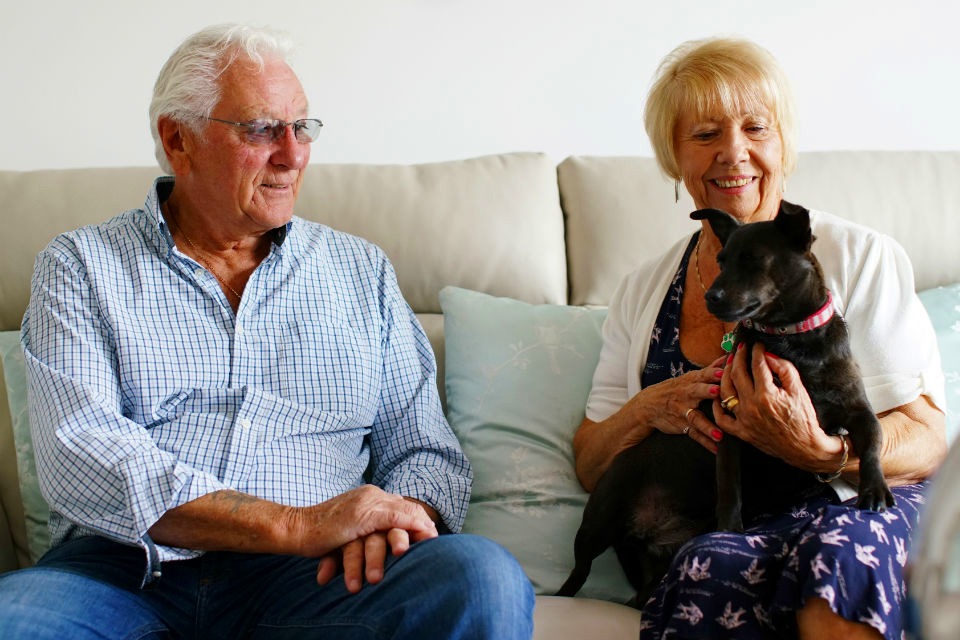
(686, 416)
(730, 403)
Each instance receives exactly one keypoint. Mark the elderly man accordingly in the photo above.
(231, 406)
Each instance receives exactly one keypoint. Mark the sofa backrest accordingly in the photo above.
(621, 210)
(493, 224)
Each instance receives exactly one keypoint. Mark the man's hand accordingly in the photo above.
(233, 521)
(365, 558)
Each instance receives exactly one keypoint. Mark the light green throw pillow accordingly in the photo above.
(35, 508)
(517, 379)
(943, 307)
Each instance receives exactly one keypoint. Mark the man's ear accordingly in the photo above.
(175, 144)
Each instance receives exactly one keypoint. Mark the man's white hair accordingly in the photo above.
(187, 89)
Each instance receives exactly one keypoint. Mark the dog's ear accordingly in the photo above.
(722, 223)
(793, 221)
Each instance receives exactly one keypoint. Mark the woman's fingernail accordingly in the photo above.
(717, 435)
(714, 390)
(718, 374)
(739, 346)
(729, 358)
(770, 355)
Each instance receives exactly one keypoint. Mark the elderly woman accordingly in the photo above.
(721, 122)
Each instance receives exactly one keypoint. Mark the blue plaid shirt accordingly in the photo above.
(147, 391)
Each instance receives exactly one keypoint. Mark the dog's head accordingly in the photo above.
(766, 268)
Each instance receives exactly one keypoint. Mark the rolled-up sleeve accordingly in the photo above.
(96, 468)
(414, 451)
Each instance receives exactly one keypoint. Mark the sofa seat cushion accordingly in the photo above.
(578, 618)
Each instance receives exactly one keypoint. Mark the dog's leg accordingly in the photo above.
(650, 567)
(576, 579)
(866, 435)
(591, 541)
(729, 488)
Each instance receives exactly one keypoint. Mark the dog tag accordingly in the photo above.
(727, 343)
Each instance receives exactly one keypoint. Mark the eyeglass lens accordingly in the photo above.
(305, 130)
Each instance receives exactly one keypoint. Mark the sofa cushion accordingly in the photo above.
(49, 202)
(621, 211)
(943, 306)
(517, 378)
(491, 223)
(13, 535)
(35, 508)
(556, 618)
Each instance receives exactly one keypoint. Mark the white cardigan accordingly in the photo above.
(873, 288)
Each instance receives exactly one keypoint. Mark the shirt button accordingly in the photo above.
(239, 330)
(198, 273)
(245, 423)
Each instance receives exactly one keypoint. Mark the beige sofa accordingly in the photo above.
(514, 226)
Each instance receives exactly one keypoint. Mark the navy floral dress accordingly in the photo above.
(750, 585)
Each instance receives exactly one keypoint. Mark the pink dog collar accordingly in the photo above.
(819, 318)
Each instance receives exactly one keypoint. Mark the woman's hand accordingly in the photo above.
(672, 405)
(669, 406)
(780, 420)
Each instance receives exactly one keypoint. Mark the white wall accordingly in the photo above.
(427, 80)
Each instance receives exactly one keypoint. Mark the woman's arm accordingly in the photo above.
(596, 444)
(914, 443)
(780, 420)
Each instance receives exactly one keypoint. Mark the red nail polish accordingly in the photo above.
(729, 358)
(739, 346)
(717, 435)
(718, 373)
(770, 355)
(714, 390)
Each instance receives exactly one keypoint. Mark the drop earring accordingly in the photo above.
(676, 190)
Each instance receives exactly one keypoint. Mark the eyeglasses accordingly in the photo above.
(267, 131)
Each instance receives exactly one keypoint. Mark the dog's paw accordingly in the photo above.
(877, 498)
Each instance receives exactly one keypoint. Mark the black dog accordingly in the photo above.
(665, 490)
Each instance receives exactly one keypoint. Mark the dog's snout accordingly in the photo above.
(714, 296)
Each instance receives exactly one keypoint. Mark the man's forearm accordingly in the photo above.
(226, 520)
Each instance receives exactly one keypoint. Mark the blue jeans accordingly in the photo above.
(454, 586)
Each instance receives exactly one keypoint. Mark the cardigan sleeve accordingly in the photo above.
(627, 330)
(891, 335)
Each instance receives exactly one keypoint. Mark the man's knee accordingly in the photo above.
(483, 581)
(51, 603)
(478, 559)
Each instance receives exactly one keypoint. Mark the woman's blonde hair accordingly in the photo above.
(713, 76)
